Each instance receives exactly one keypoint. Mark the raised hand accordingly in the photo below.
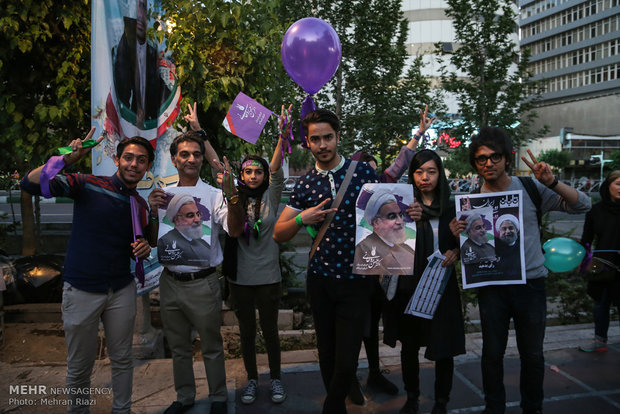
(425, 121)
(316, 214)
(78, 150)
(192, 118)
(542, 170)
(228, 186)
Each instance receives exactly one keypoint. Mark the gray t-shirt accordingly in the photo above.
(551, 201)
(258, 263)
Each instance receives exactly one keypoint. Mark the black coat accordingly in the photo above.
(602, 229)
(444, 335)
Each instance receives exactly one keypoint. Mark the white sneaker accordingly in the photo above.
(278, 395)
(249, 392)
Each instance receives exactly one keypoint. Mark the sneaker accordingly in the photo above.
(410, 407)
(278, 395)
(219, 407)
(355, 393)
(594, 346)
(249, 392)
(381, 384)
(177, 407)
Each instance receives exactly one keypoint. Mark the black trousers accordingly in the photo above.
(340, 310)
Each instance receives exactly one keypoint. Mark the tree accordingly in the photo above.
(222, 48)
(490, 78)
(45, 87)
(615, 160)
(376, 97)
(557, 159)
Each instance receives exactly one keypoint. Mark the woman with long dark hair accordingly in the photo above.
(444, 335)
(252, 266)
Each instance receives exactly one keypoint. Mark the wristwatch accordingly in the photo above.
(233, 199)
(554, 183)
(202, 133)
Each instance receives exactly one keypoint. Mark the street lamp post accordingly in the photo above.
(602, 161)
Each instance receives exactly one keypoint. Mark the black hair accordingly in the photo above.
(321, 115)
(137, 141)
(246, 192)
(364, 157)
(189, 136)
(442, 190)
(494, 138)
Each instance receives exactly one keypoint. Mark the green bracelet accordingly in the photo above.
(298, 220)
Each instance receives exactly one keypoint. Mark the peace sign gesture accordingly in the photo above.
(542, 170)
(425, 122)
(192, 118)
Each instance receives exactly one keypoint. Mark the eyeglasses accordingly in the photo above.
(191, 215)
(393, 216)
(482, 159)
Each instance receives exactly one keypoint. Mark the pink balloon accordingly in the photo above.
(311, 53)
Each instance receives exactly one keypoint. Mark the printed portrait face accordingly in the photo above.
(389, 224)
(508, 232)
(477, 232)
(188, 221)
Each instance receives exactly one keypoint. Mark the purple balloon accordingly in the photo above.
(311, 53)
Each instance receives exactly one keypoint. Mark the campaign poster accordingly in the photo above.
(492, 250)
(385, 234)
(185, 224)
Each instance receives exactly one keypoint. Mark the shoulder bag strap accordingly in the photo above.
(335, 204)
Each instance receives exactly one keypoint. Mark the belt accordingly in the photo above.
(186, 277)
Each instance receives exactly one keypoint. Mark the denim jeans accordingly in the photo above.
(601, 315)
(527, 306)
(340, 308)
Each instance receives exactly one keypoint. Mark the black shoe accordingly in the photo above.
(219, 407)
(381, 384)
(355, 393)
(440, 407)
(410, 407)
(177, 407)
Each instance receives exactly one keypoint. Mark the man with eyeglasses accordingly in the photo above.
(490, 153)
(189, 289)
(384, 251)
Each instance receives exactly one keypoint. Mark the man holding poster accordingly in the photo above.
(490, 153)
(189, 289)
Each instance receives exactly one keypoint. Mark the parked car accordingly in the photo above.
(289, 183)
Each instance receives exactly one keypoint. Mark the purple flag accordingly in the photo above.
(246, 118)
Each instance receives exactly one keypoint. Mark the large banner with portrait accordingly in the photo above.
(385, 234)
(134, 92)
(492, 251)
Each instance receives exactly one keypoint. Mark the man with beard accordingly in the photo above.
(476, 248)
(183, 245)
(190, 292)
(384, 251)
(98, 284)
(507, 246)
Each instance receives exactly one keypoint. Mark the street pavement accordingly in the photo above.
(575, 382)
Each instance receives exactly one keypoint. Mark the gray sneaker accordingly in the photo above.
(278, 395)
(249, 392)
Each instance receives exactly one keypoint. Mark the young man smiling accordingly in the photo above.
(490, 154)
(98, 284)
(339, 298)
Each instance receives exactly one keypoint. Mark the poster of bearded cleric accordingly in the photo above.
(492, 251)
(385, 235)
(185, 229)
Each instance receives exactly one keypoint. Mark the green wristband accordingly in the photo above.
(298, 220)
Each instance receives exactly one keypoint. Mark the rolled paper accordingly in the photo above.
(49, 171)
(85, 144)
